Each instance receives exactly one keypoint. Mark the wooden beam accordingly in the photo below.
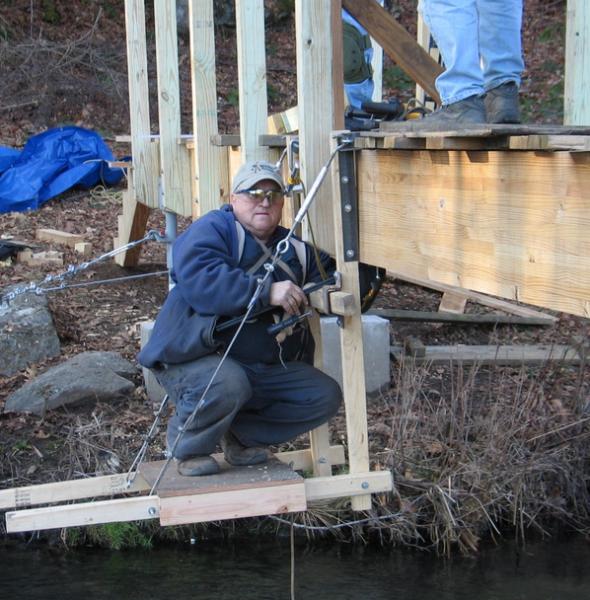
(511, 224)
(175, 180)
(251, 77)
(144, 174)
(337, 65)
(397, 43)
(89, 513)
(316, 115)
(132, 226)
(233, 504)
(453, 302)
(577, 63)
(512, 356)
(206, 158)
(340, 486)
(75, 489)
(352, 356)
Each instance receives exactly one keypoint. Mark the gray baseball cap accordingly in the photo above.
(250, 173)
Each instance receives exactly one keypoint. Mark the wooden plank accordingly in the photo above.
(340, 486)
(467, 143)
(337, 34)
(145, 158)
(488, 130)
(352, 356)
(577, 63)
(284, 122)
(319, 437)
(511, 224)
(397, 43)
(204, 107)
(251, 77)
(513, 356)
(233, 504)
(314, 82)
(75, 489)
(59, 237)
(452, 302)
(425, 40)
(460, 319)
(87, 513)
(569, 143)
(174, 164)
(132, 226)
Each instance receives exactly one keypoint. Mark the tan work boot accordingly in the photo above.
(197, 466)
(239, 455)
(502, 104)
(468, 112)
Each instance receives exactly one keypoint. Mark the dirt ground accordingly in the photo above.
(86, 85)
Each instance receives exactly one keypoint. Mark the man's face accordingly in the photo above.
(259, 214)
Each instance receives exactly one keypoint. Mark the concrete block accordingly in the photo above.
(376, 351)
(155, 392)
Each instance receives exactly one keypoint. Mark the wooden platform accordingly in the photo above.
(396, 135)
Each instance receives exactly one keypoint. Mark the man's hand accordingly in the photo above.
(288, 295)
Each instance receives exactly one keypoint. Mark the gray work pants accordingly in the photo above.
(261, 404)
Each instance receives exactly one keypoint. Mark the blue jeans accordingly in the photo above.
(261, 404)
(479, 41)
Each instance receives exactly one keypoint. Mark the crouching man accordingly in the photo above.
(266, 392)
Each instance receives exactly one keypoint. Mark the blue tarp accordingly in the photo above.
(51, 163)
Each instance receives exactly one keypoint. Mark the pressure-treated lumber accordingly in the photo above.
(131, 227)
(75, 489)
(251, 77)
(511, 224)
(88, 513)
(175, 180)
(338, 486)
(577, 63)
(397, 43)
(206, 157)
(513, 356)
(452, 302)
(352, 354)
(314, 93)
(145, 157)
(59, 237)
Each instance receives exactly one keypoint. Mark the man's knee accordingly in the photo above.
(329, 395)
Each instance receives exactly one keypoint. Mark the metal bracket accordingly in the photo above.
(349, 204)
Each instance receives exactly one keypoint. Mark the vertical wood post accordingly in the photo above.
(144, 174)
(577, 63)
(352, 356)
(204, 100)
(252, 78)
(316, 113)
(174, 162)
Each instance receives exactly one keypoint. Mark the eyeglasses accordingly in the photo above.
(259, 196)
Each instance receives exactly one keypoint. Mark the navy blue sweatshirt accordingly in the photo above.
(210, 270)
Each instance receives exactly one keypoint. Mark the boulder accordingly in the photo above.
(27, 333)
(85, 379)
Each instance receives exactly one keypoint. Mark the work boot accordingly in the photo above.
(197, 466)
(239, 455)
(502, 104)
(465, 113)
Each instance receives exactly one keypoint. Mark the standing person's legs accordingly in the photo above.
(500, 44)
(185, 384)
(454, 27)
(285, 402)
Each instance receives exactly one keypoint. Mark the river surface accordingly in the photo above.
(261, 570)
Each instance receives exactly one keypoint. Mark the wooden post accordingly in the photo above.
(144, 175)
(577, 63)
(316, 113)
(204, 99)
(252, 78)
(353, 370)
(174, 162)
(425, 40)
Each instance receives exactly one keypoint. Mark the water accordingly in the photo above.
(261, 570)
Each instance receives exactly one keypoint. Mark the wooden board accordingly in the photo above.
(511, 224)
(272, 473)
(487, 130)
(397, 43)
(514, 356)
(577, 63)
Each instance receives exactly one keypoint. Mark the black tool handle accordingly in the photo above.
(277, 327)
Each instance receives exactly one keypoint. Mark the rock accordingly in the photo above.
(27, 333)
(87, 378)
